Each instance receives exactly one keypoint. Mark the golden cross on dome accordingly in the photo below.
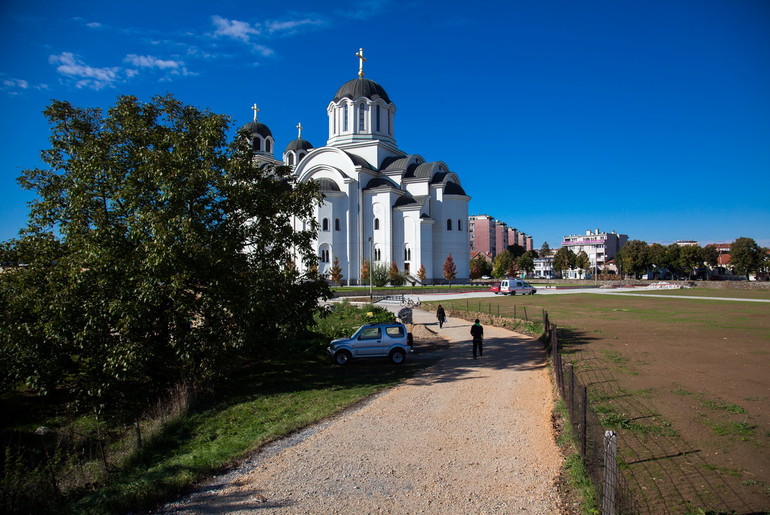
(255, 109)
(361, 60)
(299, 130)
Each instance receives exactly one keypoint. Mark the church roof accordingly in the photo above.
(298, 144)
(361, 87)
(452, 188)
(407, 200)
(326, 184)
(258, 128)
(359, 161)
(379, 182)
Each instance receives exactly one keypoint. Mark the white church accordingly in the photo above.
(380, 203)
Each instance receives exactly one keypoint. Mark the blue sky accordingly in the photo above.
(650, 118)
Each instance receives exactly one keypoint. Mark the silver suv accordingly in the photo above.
(371, 341)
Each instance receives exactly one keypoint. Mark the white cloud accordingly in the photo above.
(85, 76)
(235, 29)
(14, 86)
(150, 61)
(293, 26)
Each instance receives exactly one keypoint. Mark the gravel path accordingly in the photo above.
(463, 436)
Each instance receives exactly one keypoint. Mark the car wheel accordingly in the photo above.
(342, 357)
(397, 356)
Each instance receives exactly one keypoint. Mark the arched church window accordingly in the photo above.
(376, 224)
(291, 159)
(325, 224)
(268, 145)
(448, 224)
(361, 112)
(336, 224)
(378, 118)
(257, 144)
(459, 226)
(407, 253)
(345, 118)
(324, 255)
(377, 254)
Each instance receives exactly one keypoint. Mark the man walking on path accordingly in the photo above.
(478, 338)
(441, 315)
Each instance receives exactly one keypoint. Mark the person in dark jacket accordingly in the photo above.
(441, 316)
(478, 338)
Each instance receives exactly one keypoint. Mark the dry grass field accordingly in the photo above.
(686, 384)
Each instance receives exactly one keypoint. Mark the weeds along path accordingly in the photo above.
(462, 436)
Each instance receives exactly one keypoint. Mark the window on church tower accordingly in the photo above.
(324, 255)
(376, 224)
(268, 146)
(361, 118)
(325, 224)
(377, 254)
(345, 118)
(336, 224)
(459, 227)
(291, 159)
(448, 224)
(378, 118)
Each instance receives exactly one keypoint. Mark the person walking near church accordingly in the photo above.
(441, 315)
(477, 332)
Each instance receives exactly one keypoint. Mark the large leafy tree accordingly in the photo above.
(582, 261)
(504, 265)
(545, 249)
(564, 259)
(634, 257)
(690, 258)
(746, 256)
(657, 256)
(479, 267)
(526, 261)
(154, 250)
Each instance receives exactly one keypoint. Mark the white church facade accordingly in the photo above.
(380, 204)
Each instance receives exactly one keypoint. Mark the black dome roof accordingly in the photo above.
(298, 144)
(258, 128)
(361, 87)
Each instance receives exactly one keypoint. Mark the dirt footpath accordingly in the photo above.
(463, 436)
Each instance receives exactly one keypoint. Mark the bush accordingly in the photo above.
(343, 319)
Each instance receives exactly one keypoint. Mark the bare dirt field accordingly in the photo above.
(685, 382)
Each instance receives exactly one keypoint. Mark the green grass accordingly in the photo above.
(280, 398)
(711, 292)
(574, 469)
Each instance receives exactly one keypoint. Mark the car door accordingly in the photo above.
(369, 342)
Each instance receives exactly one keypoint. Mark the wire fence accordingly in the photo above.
(598, 447)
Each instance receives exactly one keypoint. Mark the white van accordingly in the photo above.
(516, 287)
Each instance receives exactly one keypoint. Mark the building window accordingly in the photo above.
(361, 119)
(325, 224)
(407, 254)
(376, 224)
(377, 254)
(448, 224)
(336, 224)
(324, 255)
(459, 227)
(345, 118)
(378, 118)
(291, 159)
(268, 145)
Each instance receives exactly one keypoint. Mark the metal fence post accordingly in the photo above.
(610, 473)
(583, 420)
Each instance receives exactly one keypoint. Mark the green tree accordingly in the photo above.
(710, 255)
(526, 262)
(449, 269)
(657, 256)
(690, 258)
(335, 273)
(545, 249)
(582, 262)
(380, 274)
(516, 250)
(479, 267)
(746, 256)
(503, 264)
(395, 277)
(564, 259)
(633, 258)
(672, 258)
(155, 251)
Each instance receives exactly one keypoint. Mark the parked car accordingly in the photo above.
(372, 341)
(516, 287)
(495, 288)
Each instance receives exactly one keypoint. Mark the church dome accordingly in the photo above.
(298, 144)
(257, 128)
(361, 87)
